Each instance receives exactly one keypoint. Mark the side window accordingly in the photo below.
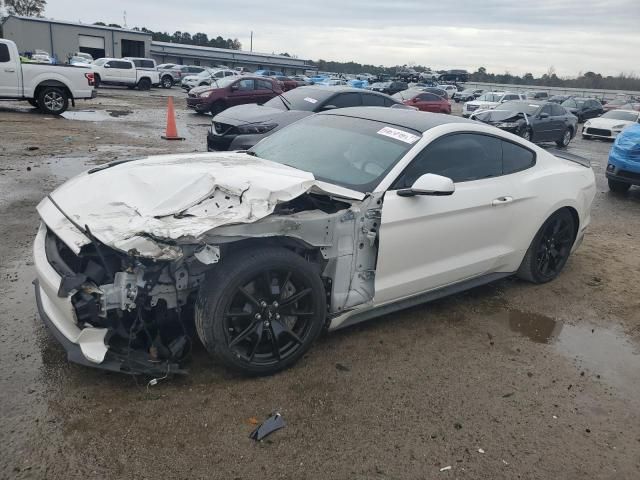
(264, 85)
(462, 157)
(547, 109)
(4, 53)
(147, 64)
(219, 74)
(245, 85)
(121, 65)
(228, 73)
(516, 158)
(344, 100)
(429, 97)
(557, 110)
(369, 100)
(388, 102)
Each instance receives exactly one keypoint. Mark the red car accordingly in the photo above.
(231, 91)
(286, 83)
(424, 101)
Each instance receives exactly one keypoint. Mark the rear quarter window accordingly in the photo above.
(4, 53)
(516, 158)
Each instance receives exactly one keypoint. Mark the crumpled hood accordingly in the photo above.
(172, 197)
(494, 116)
(253, 113)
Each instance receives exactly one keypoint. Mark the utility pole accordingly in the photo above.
(124, 16)
(251, 44)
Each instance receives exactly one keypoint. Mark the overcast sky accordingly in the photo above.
(503, 35)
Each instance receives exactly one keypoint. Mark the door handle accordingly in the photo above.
(502, 201)
(10, 70)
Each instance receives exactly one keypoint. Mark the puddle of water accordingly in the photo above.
(608, 352)
(86, 115)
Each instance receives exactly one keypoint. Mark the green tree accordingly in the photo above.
(27, 8)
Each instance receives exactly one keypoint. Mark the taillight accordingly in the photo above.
(90, 78)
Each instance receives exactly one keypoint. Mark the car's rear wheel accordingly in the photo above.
(566, 138)
(53, 100)
(258, 312)
(167, 81)
(144, 84)
(550, 248)
(618, 186)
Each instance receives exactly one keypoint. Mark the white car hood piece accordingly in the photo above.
(171, 197)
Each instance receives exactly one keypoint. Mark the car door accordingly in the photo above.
(242, 91)
(427, 242)
(126, 71)
(9, 80)
(543, 125)
(110, 72)
(264, 90)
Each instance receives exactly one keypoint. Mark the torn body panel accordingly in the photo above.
(128, 263)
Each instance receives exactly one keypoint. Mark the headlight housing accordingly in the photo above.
(256, 128)
(618, 127)
(204, 94)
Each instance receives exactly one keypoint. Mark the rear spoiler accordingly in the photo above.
(569, 156)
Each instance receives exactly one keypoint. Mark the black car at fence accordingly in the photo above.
(583, 108)
(534, 120)
(467, 94)
(389, 88)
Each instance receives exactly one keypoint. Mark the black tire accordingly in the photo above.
(526, 134)
(33, 102)
(251, 298)
(217, 108)
(131, 87)
(96, 80)
(557, 234)
(144, 84)
(617, 186)
(566, 138)
(167, 81)
(53, 100)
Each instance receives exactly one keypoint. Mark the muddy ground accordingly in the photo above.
(506, 381)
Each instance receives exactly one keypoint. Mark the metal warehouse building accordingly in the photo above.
(62, 39)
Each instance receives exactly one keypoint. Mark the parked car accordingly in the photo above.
(302, 80)
(286, 83)
(331, 82)
(267, 73)
(450, 89)
(583, 108)
(173, 75)
(610, 124)
(320, 226)
(488, 101)
(86, 56)
(80, 62)
(149, 64)
(537, 95)
(533, 120)
(117, 71)
(48, 87)
(424, 101)
(623, 168)
(559, 99)
(467, 95)
(239, 128)
(231, 91)
(616, 103)
(435, 90)
(388, 87)
(206, 77)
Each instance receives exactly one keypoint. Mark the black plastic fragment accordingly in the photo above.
(270, 425)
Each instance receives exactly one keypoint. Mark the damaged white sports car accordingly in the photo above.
(341, 217)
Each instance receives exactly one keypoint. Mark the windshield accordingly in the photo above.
(490, 97)
(351, 152)
(573, 103)
(621, 115)
(306, 99)
(528, 108)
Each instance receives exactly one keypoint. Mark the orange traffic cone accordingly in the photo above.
(171, 132)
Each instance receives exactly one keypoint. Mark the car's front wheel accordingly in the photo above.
(550, 248)
(258, 312)
(566, 138)
(618, 186)
(526, 133)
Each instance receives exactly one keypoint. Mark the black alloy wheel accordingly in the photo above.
(566, 138)
(259, 312)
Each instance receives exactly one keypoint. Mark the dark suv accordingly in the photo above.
(232, 91)
(240, 128)
(583, 108)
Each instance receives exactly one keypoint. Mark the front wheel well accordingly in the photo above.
(576, 219)
(309, 252)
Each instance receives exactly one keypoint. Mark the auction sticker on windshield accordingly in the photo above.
(310, 100)
(401, 135)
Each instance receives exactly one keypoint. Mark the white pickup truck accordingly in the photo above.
(120, 71)
(48, 87)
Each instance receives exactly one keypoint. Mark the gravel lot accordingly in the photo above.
(506, 381)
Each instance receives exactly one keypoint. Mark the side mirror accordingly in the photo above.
(329, 107)
(429, 184)
(106, 65)
(544, 115)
